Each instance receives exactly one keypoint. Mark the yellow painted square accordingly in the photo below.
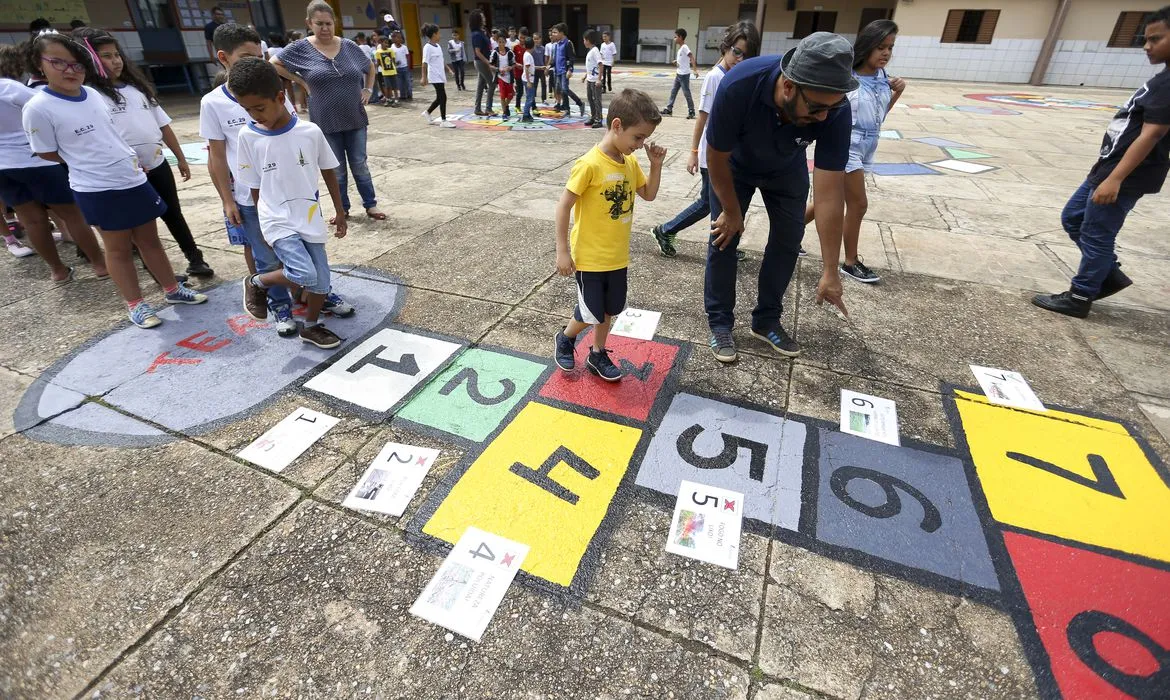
(491, 497)
(1031, 498)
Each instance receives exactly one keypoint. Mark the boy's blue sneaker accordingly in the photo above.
(143, 316)
(183, 295)
(722, 345)
(600, 364)
(780, 341)
(286, 325)
(337, 306)
(564, 351)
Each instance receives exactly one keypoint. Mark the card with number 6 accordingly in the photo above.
(706, 525)
(471, 583)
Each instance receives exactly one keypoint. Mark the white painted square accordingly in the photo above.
(392, 479)
(636, 323)
(1007, 388)
(379, 381)
(471, 583)
(288, 439)
(706, 525)
(869, 417)
(961, 166)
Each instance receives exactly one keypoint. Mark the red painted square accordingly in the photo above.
(645, 364)
(1104, 622)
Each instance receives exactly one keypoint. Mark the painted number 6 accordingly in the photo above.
(839, 482)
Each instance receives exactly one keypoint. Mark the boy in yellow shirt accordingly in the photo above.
(600, 195)
(384, 56)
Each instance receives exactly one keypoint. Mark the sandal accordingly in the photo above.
(376, 215)
(68, 278)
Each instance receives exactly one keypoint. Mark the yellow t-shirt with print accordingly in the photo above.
(385, 59)
(604, 212)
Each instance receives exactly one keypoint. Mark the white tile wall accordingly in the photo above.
(196, 45)
(131, 44)
(1094, 64)
(1001, 61)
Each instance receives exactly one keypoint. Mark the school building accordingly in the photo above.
(1058, 42)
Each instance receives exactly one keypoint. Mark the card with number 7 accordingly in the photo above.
(471, 583)
(706, 525)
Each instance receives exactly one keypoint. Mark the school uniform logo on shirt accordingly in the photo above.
(268, 167)
(233, 122)
(84, 130)
(301, 158)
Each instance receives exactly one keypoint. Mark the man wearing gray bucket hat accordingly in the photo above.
(766, 113)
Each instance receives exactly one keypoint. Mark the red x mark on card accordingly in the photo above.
(507, 560)
(729, 505)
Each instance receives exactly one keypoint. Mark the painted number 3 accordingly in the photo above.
(839, 483)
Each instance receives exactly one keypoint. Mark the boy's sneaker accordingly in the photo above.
(320, 336)
(690, 115)
(255, 300)
(337, 306)
(1067, 303)
(183, 295)
(600, 364)
(564, 351)
(860, 272)
(1114, 283)
(451, 125)
(779, 340)
(597, 125)
(19, 249)
(143, 316)
(666, 111)
(802, 252)
(200, 268)
(665, 242)
(286, 325)
(723, 346)
(740, 255)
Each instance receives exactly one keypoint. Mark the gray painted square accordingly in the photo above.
(772, 498)
(956, 548)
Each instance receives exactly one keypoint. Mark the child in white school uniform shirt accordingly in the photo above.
(281, 160)
(592, 78)
(608, 54)
(435, 72)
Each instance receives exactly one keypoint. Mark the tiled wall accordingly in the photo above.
(774, 43)
(1001, 61)
(1092, 63)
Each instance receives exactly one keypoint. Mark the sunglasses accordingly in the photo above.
(815, 108)
(64, 66)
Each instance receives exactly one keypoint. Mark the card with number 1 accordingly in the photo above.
(706, 525)
(471, 583)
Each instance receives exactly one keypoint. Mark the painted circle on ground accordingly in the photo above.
(544, 119)
(969, 109)
(1027, 99)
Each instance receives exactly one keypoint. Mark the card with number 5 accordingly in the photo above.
(471, 583)
(706, 525)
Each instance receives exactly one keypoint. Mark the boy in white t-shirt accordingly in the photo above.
(592, 75)
(432, 72)
(528, 76)
(457, 50)
(405, 74)
(281, 159)
(682, 78)
(608, 55)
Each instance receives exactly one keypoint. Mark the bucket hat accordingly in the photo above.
(821, 61)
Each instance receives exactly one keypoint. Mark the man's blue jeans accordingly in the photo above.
(696, 212)
(352, 145)
(681, 81)
(263, 256)
(784, 199)
(1094, 228)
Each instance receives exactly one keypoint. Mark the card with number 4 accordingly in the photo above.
(471, 583)
(706, 525)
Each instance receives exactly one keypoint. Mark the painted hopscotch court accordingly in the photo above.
(1056, 517)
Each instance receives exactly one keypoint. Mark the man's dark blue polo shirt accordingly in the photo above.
(746, 121)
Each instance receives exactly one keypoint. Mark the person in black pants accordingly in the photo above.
(162, 179)
(539, 60)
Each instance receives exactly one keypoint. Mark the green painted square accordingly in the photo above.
(472, 396)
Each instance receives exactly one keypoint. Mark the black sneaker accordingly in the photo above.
(200, 268)
(722, 346)
(564, 351)
(779, 340)
(666, 112)
(597, 125)
(600, 364)
(690, 115)
(860, 272)
(740, 255)
(802, 252)
(589, 122)
(665, 242)
(1114, 283)
(1067, 303)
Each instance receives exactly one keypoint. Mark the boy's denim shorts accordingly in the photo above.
(305, 263)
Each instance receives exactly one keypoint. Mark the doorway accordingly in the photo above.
(629, 30)
(577, 21)
(688, 19)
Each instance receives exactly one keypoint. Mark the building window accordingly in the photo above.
(872, 14)
(809, 22)
(1127, 33)
(970, 26)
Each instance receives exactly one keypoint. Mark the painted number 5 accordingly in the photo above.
(839, 483)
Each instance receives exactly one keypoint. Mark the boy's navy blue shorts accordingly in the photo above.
(600, 294)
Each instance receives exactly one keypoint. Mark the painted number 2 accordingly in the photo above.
(469, 375)
(839, 483)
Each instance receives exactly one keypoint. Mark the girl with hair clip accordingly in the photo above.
(144, 125)
(871, 102)
(68, 122)
(31, 185)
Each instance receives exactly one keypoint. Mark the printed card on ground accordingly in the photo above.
(288, 439)
(869, 417)
(706, 525)
(636, 323)
(392, 479)
(471, 582)
(1007, 388)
